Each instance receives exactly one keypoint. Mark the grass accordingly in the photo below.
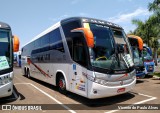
(157, 74)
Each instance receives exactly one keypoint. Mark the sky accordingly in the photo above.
(28, 18)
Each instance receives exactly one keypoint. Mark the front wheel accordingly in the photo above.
(25, 72)
(62, 85)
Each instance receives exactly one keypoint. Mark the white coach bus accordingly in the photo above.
(8, 45)
(86, 56)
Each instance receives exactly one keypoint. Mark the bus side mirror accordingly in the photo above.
(87, 34)
(15, 43)
(139, 41)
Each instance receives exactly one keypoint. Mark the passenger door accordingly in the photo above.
(78, 68)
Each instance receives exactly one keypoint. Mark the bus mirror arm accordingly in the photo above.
(15, 43)
(87, 34)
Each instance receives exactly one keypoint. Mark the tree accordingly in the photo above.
(144, 30)
(149, 30)
(155, 7)
(154, 44)
(155, 21)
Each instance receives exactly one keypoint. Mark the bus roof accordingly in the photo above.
(4, 25)
(84, 19)
(92, 20)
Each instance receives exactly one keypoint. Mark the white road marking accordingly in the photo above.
(153, 98)
(143, 101)
(145, 95)
(72, 111)
(21, 83)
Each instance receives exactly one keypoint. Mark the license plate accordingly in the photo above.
(120, 90)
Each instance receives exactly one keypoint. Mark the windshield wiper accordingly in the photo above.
(116, 53)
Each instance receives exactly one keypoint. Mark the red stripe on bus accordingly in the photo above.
(125, 75)
(44, 73)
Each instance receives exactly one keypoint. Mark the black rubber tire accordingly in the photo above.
(25, 72)
(28, 73)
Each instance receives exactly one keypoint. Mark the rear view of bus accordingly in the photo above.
(6, 59)
(137, 49)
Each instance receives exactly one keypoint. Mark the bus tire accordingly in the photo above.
(61, 84)
(28, 73)
(25, 72)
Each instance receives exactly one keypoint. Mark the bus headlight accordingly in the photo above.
(11, 76)
(6, 79)
(91, 78)
(133, 73)
(100, 81)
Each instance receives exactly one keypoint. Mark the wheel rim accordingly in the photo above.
(62, 83)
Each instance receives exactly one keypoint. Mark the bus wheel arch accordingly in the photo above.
(61, 82)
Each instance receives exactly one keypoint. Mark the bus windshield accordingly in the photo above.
(104, 54)
(147, 56)
(136, 55)
(5, 50)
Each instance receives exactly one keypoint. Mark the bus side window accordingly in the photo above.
(56, 42)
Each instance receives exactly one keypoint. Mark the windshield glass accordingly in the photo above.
(5, 50)
(104, 53)
(147, 56)
(137, 57)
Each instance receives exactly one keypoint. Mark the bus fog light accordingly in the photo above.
(94, 91)
(9, 89)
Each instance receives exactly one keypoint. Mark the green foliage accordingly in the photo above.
(149, 30)
(158, 51)
(155, 7)
(157, 74)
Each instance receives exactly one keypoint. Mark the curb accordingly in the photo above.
(154, 76)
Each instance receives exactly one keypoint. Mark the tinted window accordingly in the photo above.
(67, 27)
(79, 52)
(56, 40)
(50, 41)
(37, 43)
(44, 40)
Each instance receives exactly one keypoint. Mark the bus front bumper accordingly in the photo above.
(96, 90)
(6, 90)
(140, 75)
